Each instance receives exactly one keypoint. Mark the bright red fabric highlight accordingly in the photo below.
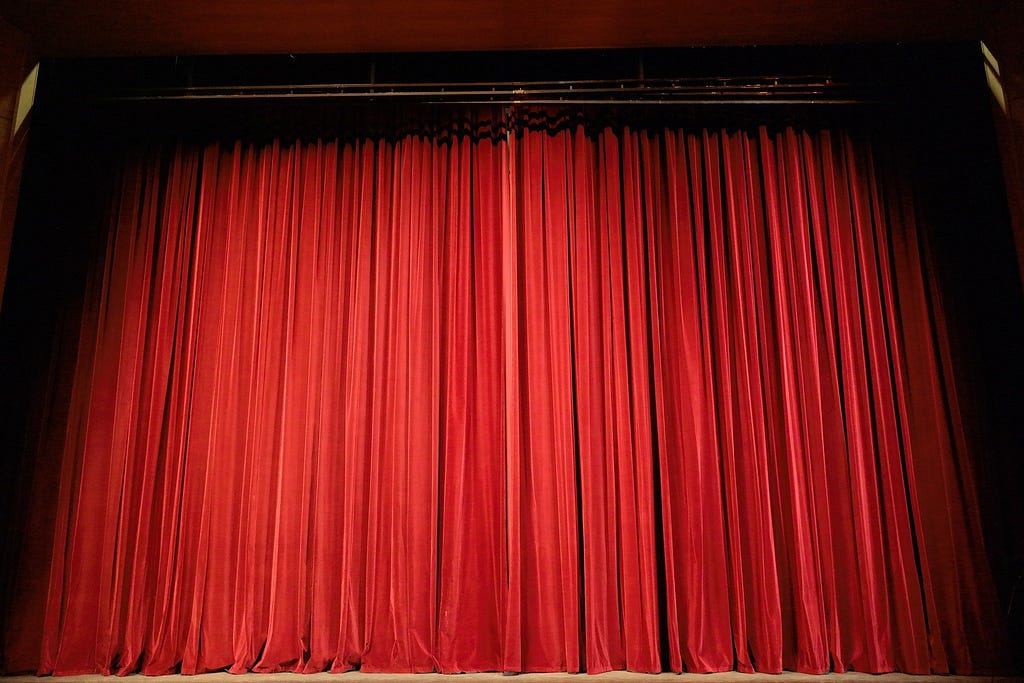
(553, 402)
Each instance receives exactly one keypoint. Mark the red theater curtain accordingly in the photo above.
(559, 400)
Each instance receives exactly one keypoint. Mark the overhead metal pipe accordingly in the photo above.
(779, 90)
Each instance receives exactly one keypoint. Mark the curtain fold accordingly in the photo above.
(553, 400)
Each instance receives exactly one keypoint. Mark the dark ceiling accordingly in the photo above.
(197, 27)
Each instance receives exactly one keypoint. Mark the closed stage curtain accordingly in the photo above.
(553, 400)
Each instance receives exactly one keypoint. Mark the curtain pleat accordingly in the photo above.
(558, 400)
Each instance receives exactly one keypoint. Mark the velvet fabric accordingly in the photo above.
(543, 400)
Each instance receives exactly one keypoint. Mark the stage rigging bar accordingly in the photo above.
(788, 90)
